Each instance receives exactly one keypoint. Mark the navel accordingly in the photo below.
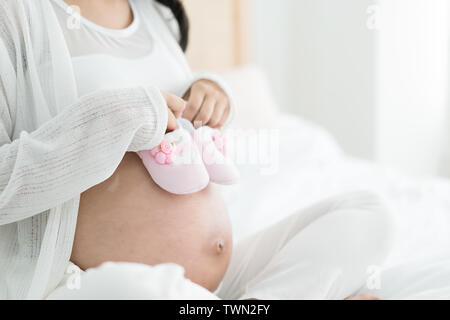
(220, 246)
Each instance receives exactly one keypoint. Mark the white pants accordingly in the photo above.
(327, 251)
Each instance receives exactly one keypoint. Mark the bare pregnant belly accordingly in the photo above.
(128, 218)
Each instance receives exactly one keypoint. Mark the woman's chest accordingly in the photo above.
(138, 55)
(101, 71)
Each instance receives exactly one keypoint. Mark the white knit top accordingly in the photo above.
(54, 145)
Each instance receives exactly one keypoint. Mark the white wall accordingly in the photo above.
(321, 64)
(272, 43)
(381, 93)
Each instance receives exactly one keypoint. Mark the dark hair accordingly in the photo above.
(183, 22)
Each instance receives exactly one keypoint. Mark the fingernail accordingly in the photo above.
(198, 124)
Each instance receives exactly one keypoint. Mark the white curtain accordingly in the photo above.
(412, 84)
(445, 163)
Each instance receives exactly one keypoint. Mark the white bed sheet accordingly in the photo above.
(312, 166)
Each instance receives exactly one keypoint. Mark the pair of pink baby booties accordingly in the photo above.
(188, 159)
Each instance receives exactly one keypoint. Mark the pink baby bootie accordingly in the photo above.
(176, 165)
(212, 145)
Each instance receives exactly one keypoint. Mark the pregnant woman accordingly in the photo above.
(85, 85)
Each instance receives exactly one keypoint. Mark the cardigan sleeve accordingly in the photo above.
(78, 149)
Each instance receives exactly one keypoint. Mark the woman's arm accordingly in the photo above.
(78, 149)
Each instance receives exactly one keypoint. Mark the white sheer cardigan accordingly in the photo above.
(54, 146)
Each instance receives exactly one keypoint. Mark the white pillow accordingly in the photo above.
(255, 105)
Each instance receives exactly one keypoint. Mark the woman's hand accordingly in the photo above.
(207, 104)
(176, 107)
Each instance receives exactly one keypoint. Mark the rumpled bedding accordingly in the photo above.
(312, 166)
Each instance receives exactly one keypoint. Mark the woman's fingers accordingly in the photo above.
(219, 111)
(224, 119)
(207, 104)
(175, 104)
(194, 104)
(206, 111)
(171, 122)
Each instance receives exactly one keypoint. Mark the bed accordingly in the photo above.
(310, 165)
